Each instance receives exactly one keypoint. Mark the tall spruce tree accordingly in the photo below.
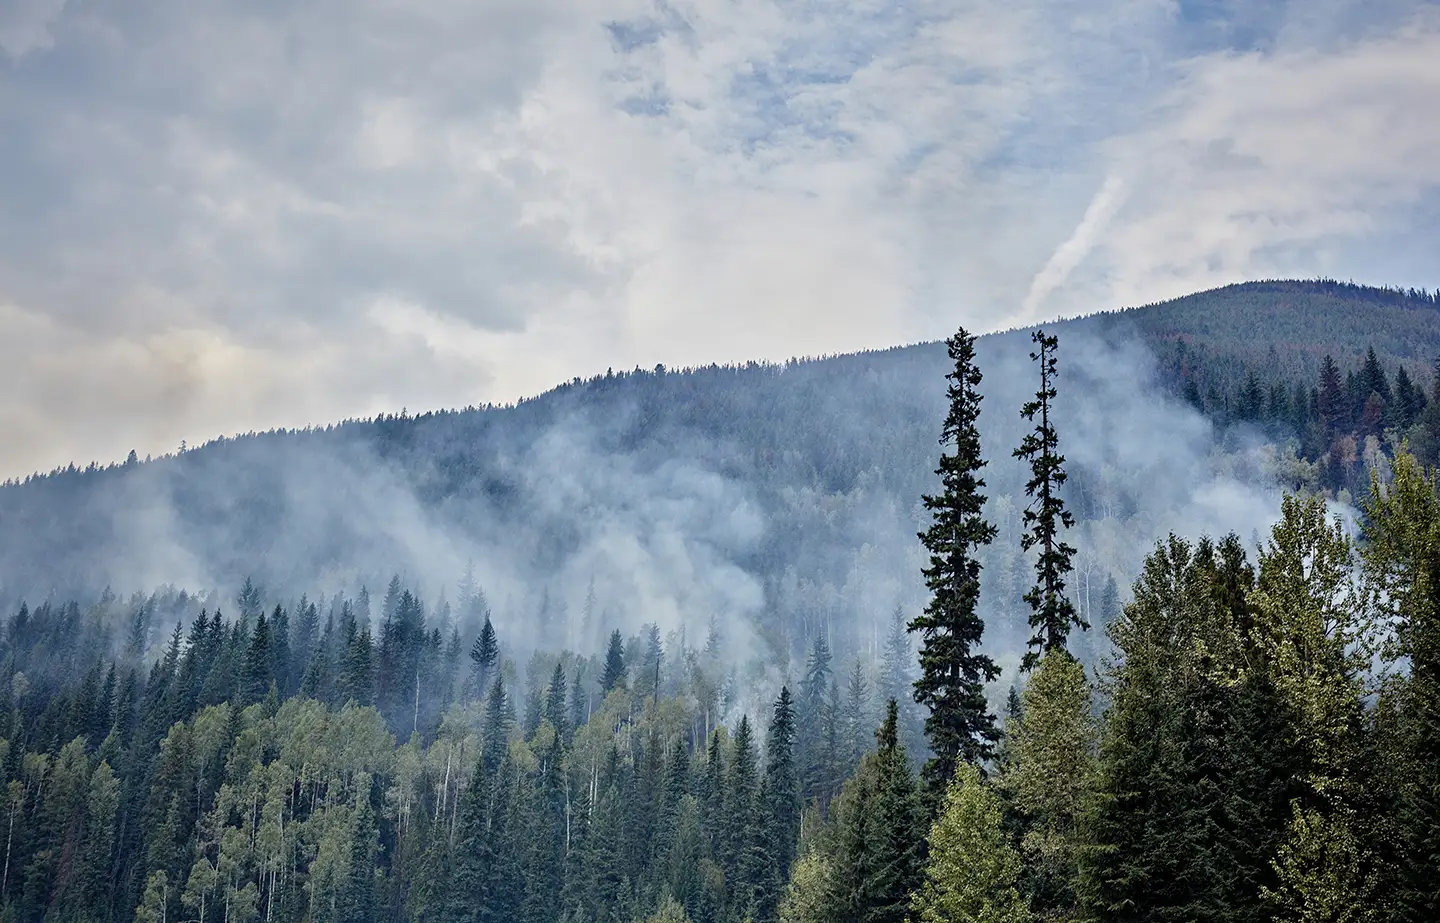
(780, 792)
(953, 673)
(1052, 614)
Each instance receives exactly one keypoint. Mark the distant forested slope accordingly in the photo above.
(779, 496)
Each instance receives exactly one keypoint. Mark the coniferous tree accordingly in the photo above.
(470, 895)
(1402, 563)
(1311, 628)
(1052, 614)
(484, 658)
(1331, 403)
(613, 675)
(1194, 780)
(1049, 777)
(555, 708)
(356, 682)
(876, 848)
(855, 719)
(780, 792)
(647, 682)
(496, 731)
(953, 673)
(259, 662)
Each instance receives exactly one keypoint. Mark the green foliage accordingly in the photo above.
(614, 675)
(1049, 778)
(1402, 569)
(953, 673)
(973, 870)
(1051, 612)
(1196, 767)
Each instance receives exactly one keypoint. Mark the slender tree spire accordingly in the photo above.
(1051, 612)
(952, 674)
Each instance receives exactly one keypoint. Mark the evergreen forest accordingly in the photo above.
(985, 660)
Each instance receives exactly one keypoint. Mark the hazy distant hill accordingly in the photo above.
(782, 496)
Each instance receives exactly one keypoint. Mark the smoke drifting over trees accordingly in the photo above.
(637, 650)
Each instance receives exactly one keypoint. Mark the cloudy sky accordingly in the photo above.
(220, 216)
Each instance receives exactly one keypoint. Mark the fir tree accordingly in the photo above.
(1051, 612)
(613, 675)
(555, 709)
(781, 796)
(856, 716)
(876, 845)
(259, 662)
(484, 658)
(648, 680)
(1194, 786)
(953, 673)
(496, 730)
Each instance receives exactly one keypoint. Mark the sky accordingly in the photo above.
(218, 217)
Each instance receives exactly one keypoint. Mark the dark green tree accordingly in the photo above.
(780, 793)
(613, 675)
(1052, 614)
(953, 673)
(484, 658)
(259, 662)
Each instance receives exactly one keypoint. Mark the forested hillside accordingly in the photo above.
(779, 497)
(1260, 743)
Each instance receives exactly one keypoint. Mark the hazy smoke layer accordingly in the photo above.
(773, 501)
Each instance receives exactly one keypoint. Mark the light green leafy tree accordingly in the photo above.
(974, 871)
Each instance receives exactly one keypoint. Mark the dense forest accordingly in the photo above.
(1246, 730)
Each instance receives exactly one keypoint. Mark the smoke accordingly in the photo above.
(1070, 254)
(775, 503)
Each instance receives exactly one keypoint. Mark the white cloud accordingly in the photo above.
(382, 204)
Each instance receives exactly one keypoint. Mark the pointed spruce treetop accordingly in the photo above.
(952, 673)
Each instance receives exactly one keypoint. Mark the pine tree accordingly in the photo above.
(952, 673)
(781, 795)
(856, 719)
(259, 662)
(1052, 614)
(613, 676)
(484, 657)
